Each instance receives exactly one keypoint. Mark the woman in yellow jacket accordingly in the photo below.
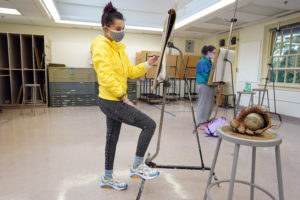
(113, 67)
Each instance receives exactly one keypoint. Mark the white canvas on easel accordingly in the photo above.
(218, 75)
(249, 65)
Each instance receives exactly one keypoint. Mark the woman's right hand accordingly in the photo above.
(128, 102)
(153, 59)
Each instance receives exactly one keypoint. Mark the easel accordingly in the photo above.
(166, 37)
(149, 159)
(271, 68)
(166, 85)
(222, 84)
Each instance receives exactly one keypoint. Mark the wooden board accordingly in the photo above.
(19, 95)
(189, 60)
(191, 72)
(151, 72)
(138, 58)
(221, 91)
(143, 56)
(37, 57)
(174, 61)
(174, 66)
(192, 61)
(138, 61)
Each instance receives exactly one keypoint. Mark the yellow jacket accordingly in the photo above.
(113, 67)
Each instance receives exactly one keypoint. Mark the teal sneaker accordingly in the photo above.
(143, 172)
(112, 183)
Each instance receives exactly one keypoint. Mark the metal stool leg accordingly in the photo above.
(233, 171)
(253, 172)
(211, 173)
(226, 101)
(31, 98)
(41, 94)
(251, 100)
(279, 172)
(23, 100)
(42, 97)
(34, 99)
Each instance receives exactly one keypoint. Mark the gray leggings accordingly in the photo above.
(116, 113)
(205, 103)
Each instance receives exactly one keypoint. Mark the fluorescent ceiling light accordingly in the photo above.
(9, 11)
(204, 12)
(78, 23)
(144, 28)
(49, 4)
(99, 25)
(50, 7)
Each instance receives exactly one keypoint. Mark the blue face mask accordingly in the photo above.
(117, 35)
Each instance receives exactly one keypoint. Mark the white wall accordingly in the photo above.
(71, 46)
(288, 102)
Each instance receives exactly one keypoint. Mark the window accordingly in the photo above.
(222, 43)
(286, 57)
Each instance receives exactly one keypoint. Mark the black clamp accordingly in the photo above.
(233, 20)
(166, 84)
(171, 45)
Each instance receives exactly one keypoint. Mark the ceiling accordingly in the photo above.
(151, 13)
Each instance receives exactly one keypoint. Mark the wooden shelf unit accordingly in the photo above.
(23, 60)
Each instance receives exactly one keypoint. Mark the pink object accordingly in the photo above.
(203, 126)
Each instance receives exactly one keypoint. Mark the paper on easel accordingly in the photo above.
(218, 76)
(161, 73)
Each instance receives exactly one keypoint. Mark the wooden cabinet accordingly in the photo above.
(23, 60)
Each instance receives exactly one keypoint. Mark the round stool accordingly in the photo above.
(267, 139)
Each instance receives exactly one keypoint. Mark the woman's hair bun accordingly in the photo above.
(109, 14)
(109, 8)
(207, 49)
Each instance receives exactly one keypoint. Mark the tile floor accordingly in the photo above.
(59, 155)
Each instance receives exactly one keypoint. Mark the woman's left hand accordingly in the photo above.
(153, 59)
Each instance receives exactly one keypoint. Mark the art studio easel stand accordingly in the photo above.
(166, 85)
(149, 159)
(221, 84)
(195, 131)
(271, 69)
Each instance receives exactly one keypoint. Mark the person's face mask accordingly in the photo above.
(211, 55)
(117, 35)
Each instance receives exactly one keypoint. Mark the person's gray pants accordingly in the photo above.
(205, 103)
(116, 113)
